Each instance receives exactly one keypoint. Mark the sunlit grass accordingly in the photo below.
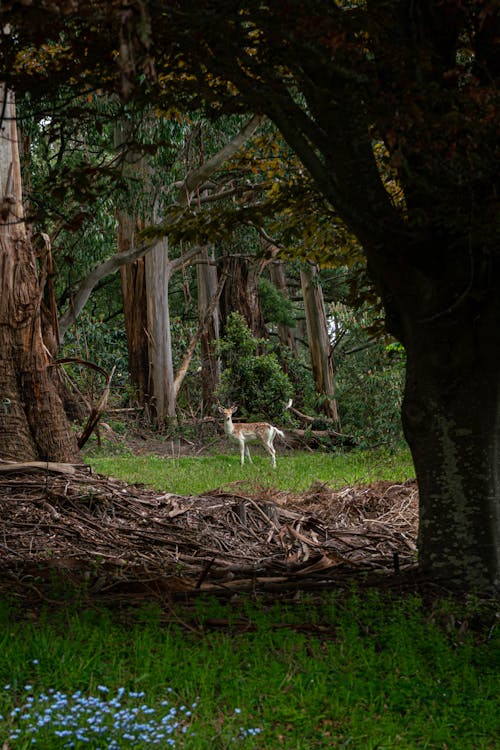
(295, 471)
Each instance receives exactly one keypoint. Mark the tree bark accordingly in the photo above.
(320, 348)
(451, 418)
(133, 283)
(285, 333)
(33, 424)
(161, 367)
(241, 293)
(210, 362)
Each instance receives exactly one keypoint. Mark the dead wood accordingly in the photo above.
(122, 541)
(297, 438)
(96, 412)
(34, 467)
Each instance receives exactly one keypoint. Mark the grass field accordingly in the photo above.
(356, 671)
(295, 471)
(361, 669)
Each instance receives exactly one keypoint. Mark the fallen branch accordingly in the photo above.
(33, 467)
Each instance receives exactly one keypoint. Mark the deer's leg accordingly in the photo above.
(268, 445)
(242, 451)
(247, 451)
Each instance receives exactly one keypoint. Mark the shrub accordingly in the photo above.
(254, 381)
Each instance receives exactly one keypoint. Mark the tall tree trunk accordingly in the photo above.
(145, 303)
(285, 333)
(322, 361)
(241, 293)
(133, 282)
(451, 418)
(33, 424)
(210, 362)
(161, 368)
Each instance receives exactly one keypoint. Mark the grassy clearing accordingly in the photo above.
(356, 670)
(369, 673)
(295, 471)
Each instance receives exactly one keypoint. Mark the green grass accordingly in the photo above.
(369, 673)
(356, 669)
(295, 471)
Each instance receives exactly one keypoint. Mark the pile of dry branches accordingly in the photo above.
(116, 538)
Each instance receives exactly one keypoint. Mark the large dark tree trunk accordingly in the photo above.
(33, 423)
(241, 293)
(451, 417)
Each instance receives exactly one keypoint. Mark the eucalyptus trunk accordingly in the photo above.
(286, 334)
(210, 362)
(33, 423)
(320, 348)
(161, 368)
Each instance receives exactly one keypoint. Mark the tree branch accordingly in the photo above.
(197, 177)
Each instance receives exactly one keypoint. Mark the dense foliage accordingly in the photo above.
(252, 379)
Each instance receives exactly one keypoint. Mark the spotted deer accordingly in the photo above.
(250, 432)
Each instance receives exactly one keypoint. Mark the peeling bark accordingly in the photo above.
(33, 424)
(323, 365)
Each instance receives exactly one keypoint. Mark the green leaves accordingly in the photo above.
(254, 381)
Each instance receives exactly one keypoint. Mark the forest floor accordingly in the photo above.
(79, 531)
(115, 542)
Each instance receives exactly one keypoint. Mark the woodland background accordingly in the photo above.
(237, 319)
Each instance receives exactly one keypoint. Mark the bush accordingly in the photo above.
(369, 382)
(254, 381)
(105, 345)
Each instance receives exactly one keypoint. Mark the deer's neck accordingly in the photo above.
(229, 427)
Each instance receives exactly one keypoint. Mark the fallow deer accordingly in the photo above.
(244, 433)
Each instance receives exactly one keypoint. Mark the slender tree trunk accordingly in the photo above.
(285, 333)
(33, 424)
(322, 361)
(133, 283)
(161, 368)
(210, 362)
(145, 304)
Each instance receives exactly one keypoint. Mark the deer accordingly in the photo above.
(253, 431)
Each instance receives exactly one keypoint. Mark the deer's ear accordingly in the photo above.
(220, 408)
(233, 409)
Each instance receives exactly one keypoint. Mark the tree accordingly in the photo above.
(319, 340)
(421, 80)
(33, 423)
(358, 90)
